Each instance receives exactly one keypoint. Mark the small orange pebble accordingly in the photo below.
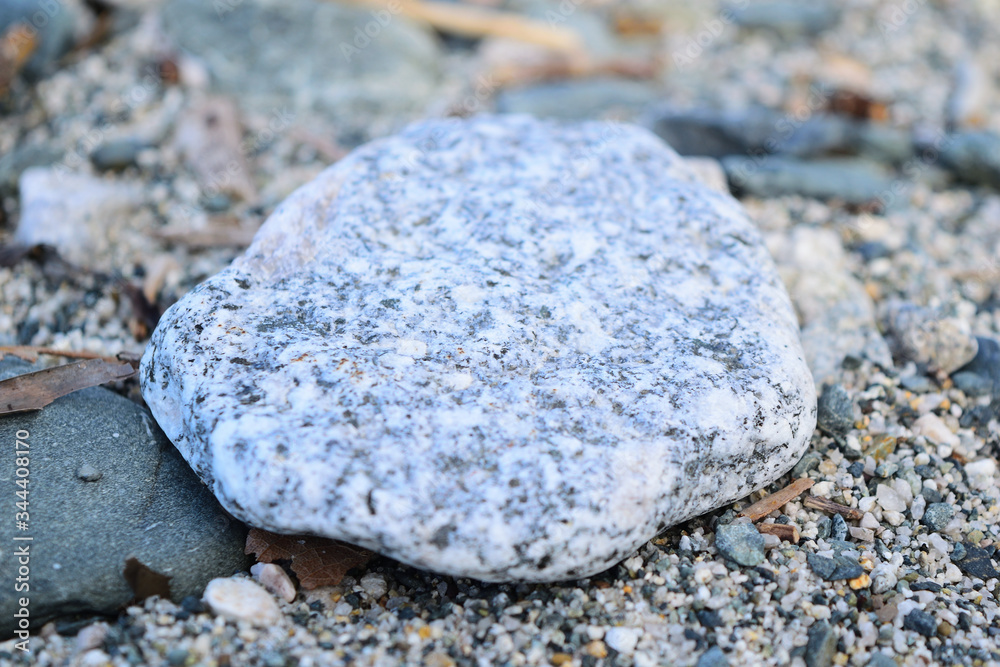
(627, 589)
(864, 581)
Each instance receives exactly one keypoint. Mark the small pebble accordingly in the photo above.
(838, 527)
(622, 639)
(920, 621)
(241, 600)
(177, 657)
(822, 645)
(374, 584)
(88, 473)
(835, 411)
(810, 461)
(889, 499)
(741, 543)
(275, 580)
(937, 516)
(117, 154)
(713, 657)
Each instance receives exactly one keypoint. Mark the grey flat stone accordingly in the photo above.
(851, 180)
(579, 100)
(353, 64)
(105, 485)
(495, 347)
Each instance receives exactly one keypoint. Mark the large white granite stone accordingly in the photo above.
(496, 347)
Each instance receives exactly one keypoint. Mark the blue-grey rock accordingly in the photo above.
(117, 154)
(823, 527)
(918, 384)
(972, 384)
(986, 363)
(14, 162)
(880, 659)
(851, 180)
(835, 410)
(841, 566)
(810, 461)
(786, 17)
(838, 528)
(937, 516)
(921, 622)
(584, 99)
(759, 132)
(973, 156)
(541, 312)
(713, 657)
(104, 485)
(821, 646)
(741, 543)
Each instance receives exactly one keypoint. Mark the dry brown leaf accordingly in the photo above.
(144, 581)
(768, 504)
(33, 391)
(209, 136)
(316, 561)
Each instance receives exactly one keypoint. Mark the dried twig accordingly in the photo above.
(784, 531)
(33, 391)
(826, 505)
(482, 22)
(765, 506)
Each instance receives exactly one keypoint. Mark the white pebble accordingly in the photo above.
(893, 518)
(274, 579)
(241, 600)
(889, 499)
(862, 534)
(931, 427)
(374, 584)
(918, 507)
(622, 639)
(869, 521)
(91, 637)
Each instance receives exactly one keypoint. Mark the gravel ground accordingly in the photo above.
(912, 449)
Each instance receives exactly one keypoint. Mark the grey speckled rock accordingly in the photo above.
(105, 485)
(496, 347)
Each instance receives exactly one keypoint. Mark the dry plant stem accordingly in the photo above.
(825, 505)
(765, 506)
(784, 531)
(482, 22)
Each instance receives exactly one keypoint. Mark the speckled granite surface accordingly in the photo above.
(493, 347)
